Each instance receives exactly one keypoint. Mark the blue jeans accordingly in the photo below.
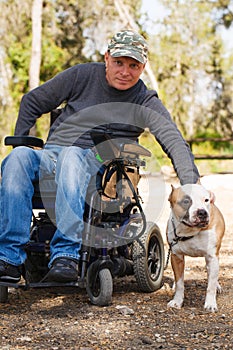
(73, 168)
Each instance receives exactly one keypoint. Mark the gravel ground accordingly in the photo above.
(64, 319)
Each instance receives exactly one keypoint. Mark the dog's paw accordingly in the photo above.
(211, 307)
(175, 304)
(219, 288)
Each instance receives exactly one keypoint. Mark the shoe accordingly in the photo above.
(63, 270)
(9, 273)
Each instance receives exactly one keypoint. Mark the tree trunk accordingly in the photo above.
(34, 71)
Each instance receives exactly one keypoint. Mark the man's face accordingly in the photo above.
(122, 72)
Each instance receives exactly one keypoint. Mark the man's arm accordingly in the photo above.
(172, 142)
(43, 99)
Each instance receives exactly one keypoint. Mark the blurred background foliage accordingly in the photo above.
(189, 63)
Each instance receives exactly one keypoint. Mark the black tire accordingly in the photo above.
(148, 259)
(100, 287)
(3, 294)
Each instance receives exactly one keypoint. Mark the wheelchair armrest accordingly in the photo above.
(109, 148)
(132, 148)
(30, 141)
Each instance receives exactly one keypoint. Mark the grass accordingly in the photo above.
(159, 158)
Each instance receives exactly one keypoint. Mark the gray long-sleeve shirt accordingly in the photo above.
(91, 103)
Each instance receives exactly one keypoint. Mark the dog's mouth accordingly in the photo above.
(200, 219)
(196, 223)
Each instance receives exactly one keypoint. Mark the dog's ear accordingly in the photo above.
(170, 196)
(212, 197)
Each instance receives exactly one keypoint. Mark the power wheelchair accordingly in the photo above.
(117, 239)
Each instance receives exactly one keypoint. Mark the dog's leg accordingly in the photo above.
(178, 269)
(212, 265)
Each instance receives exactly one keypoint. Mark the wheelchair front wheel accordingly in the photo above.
(3, 294)
(99, 287)
(148, 259)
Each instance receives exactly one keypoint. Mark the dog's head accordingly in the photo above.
(191, 205)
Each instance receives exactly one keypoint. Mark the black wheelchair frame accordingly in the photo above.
(117, 239)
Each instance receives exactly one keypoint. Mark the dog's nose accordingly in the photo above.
(202, 214)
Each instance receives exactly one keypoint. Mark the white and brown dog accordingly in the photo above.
(195, 228)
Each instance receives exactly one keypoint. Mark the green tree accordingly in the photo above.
(14, 58)
(221, 109)
(188, 63)
(223, 12)
(72, 32)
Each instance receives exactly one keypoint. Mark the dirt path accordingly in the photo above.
(65, 319)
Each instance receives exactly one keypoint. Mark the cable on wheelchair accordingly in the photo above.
(138, 204)
(115, 165)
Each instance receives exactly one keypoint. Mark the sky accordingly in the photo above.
(155, 11)
(153, 8)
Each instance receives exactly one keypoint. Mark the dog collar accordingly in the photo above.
(175, 241)
(178, 238)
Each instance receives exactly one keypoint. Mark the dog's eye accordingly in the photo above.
(207, 200)
(186, 202)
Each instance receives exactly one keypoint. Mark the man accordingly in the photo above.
(108, 96)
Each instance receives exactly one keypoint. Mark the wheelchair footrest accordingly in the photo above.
(79, 283)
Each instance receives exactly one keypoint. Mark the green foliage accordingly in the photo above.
(224, 14)
(19, 57)
(53, 58)
(16, 42)
(206, 167)
(69, 34)
(193, 86)
(193, 72)
(212, 144)
(212, 147)
(158, 158)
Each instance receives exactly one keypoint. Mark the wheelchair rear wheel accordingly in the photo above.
(148, 259)
(99, 286)
(3, 294)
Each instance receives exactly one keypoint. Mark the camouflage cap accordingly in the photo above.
(129, 43)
